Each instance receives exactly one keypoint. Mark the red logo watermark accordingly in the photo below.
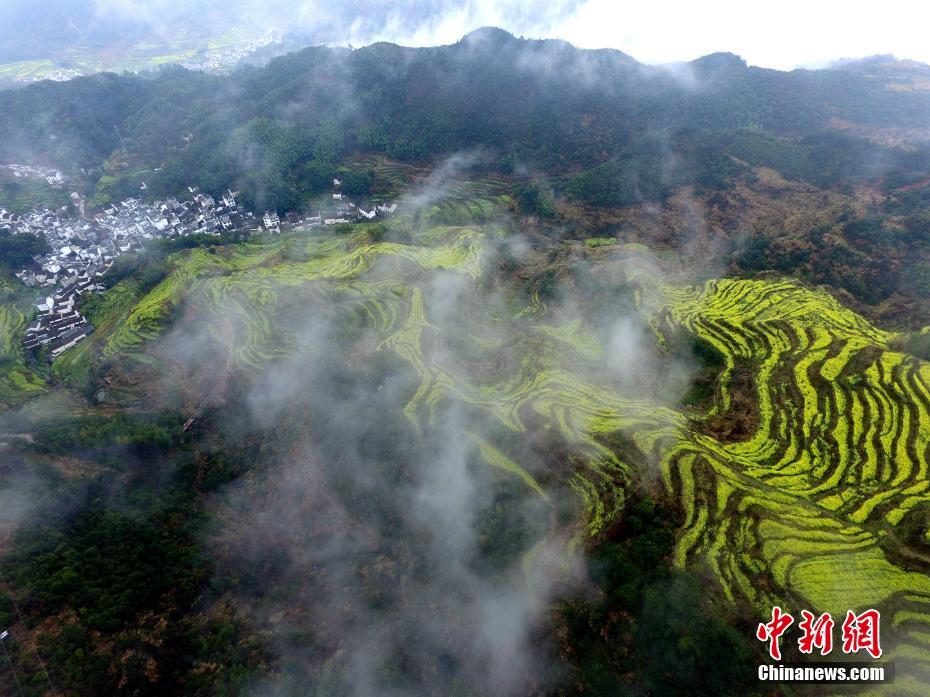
(772, 631)
(859, 632)
(818, 633)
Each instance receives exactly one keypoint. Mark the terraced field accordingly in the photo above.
(17, 382)
(807, 511)
(22, 195)
(468, 201)
(34, 69)
(806, 508)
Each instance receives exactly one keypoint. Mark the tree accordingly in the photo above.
(17, 251)
(357, 182)
(535, 198)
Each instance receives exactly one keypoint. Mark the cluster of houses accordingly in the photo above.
(80, 245)
(227, 57)
(58, 324)
(132, 222)
(53, 176)
(82, 249)
(342, 210)
(333, 211)
(75, 247)
(56, 75)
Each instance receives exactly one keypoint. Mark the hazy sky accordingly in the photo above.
(784, 34)
(787, 34)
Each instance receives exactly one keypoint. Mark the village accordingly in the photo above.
(54, 177)
(56, 75)
(82, 249)
(226, 58)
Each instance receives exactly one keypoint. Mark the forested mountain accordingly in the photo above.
(540, 102)
(596, 127)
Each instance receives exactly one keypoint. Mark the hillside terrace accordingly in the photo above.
(82, 249)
